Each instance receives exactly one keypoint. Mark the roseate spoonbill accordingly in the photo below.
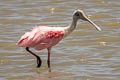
(44, 37)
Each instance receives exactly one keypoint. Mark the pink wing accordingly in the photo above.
(41, 37)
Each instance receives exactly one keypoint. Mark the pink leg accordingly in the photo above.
(48, 61)
(39, 62)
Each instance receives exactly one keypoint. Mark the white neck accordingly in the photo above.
(71, 27)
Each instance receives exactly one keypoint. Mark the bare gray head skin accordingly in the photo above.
(79, 14)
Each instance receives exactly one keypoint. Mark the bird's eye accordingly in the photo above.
(77, 14)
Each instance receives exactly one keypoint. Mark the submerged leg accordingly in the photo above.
(48, 61)
(39, 62)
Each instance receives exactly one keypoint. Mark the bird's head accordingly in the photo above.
(79, 14)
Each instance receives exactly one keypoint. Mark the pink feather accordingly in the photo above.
(41, 37)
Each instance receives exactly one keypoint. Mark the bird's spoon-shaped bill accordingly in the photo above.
(98, 28)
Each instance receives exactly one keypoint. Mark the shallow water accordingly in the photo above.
(84, 55)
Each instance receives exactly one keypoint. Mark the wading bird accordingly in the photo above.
(44, 37)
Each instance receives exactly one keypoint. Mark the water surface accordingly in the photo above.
(84, 55)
